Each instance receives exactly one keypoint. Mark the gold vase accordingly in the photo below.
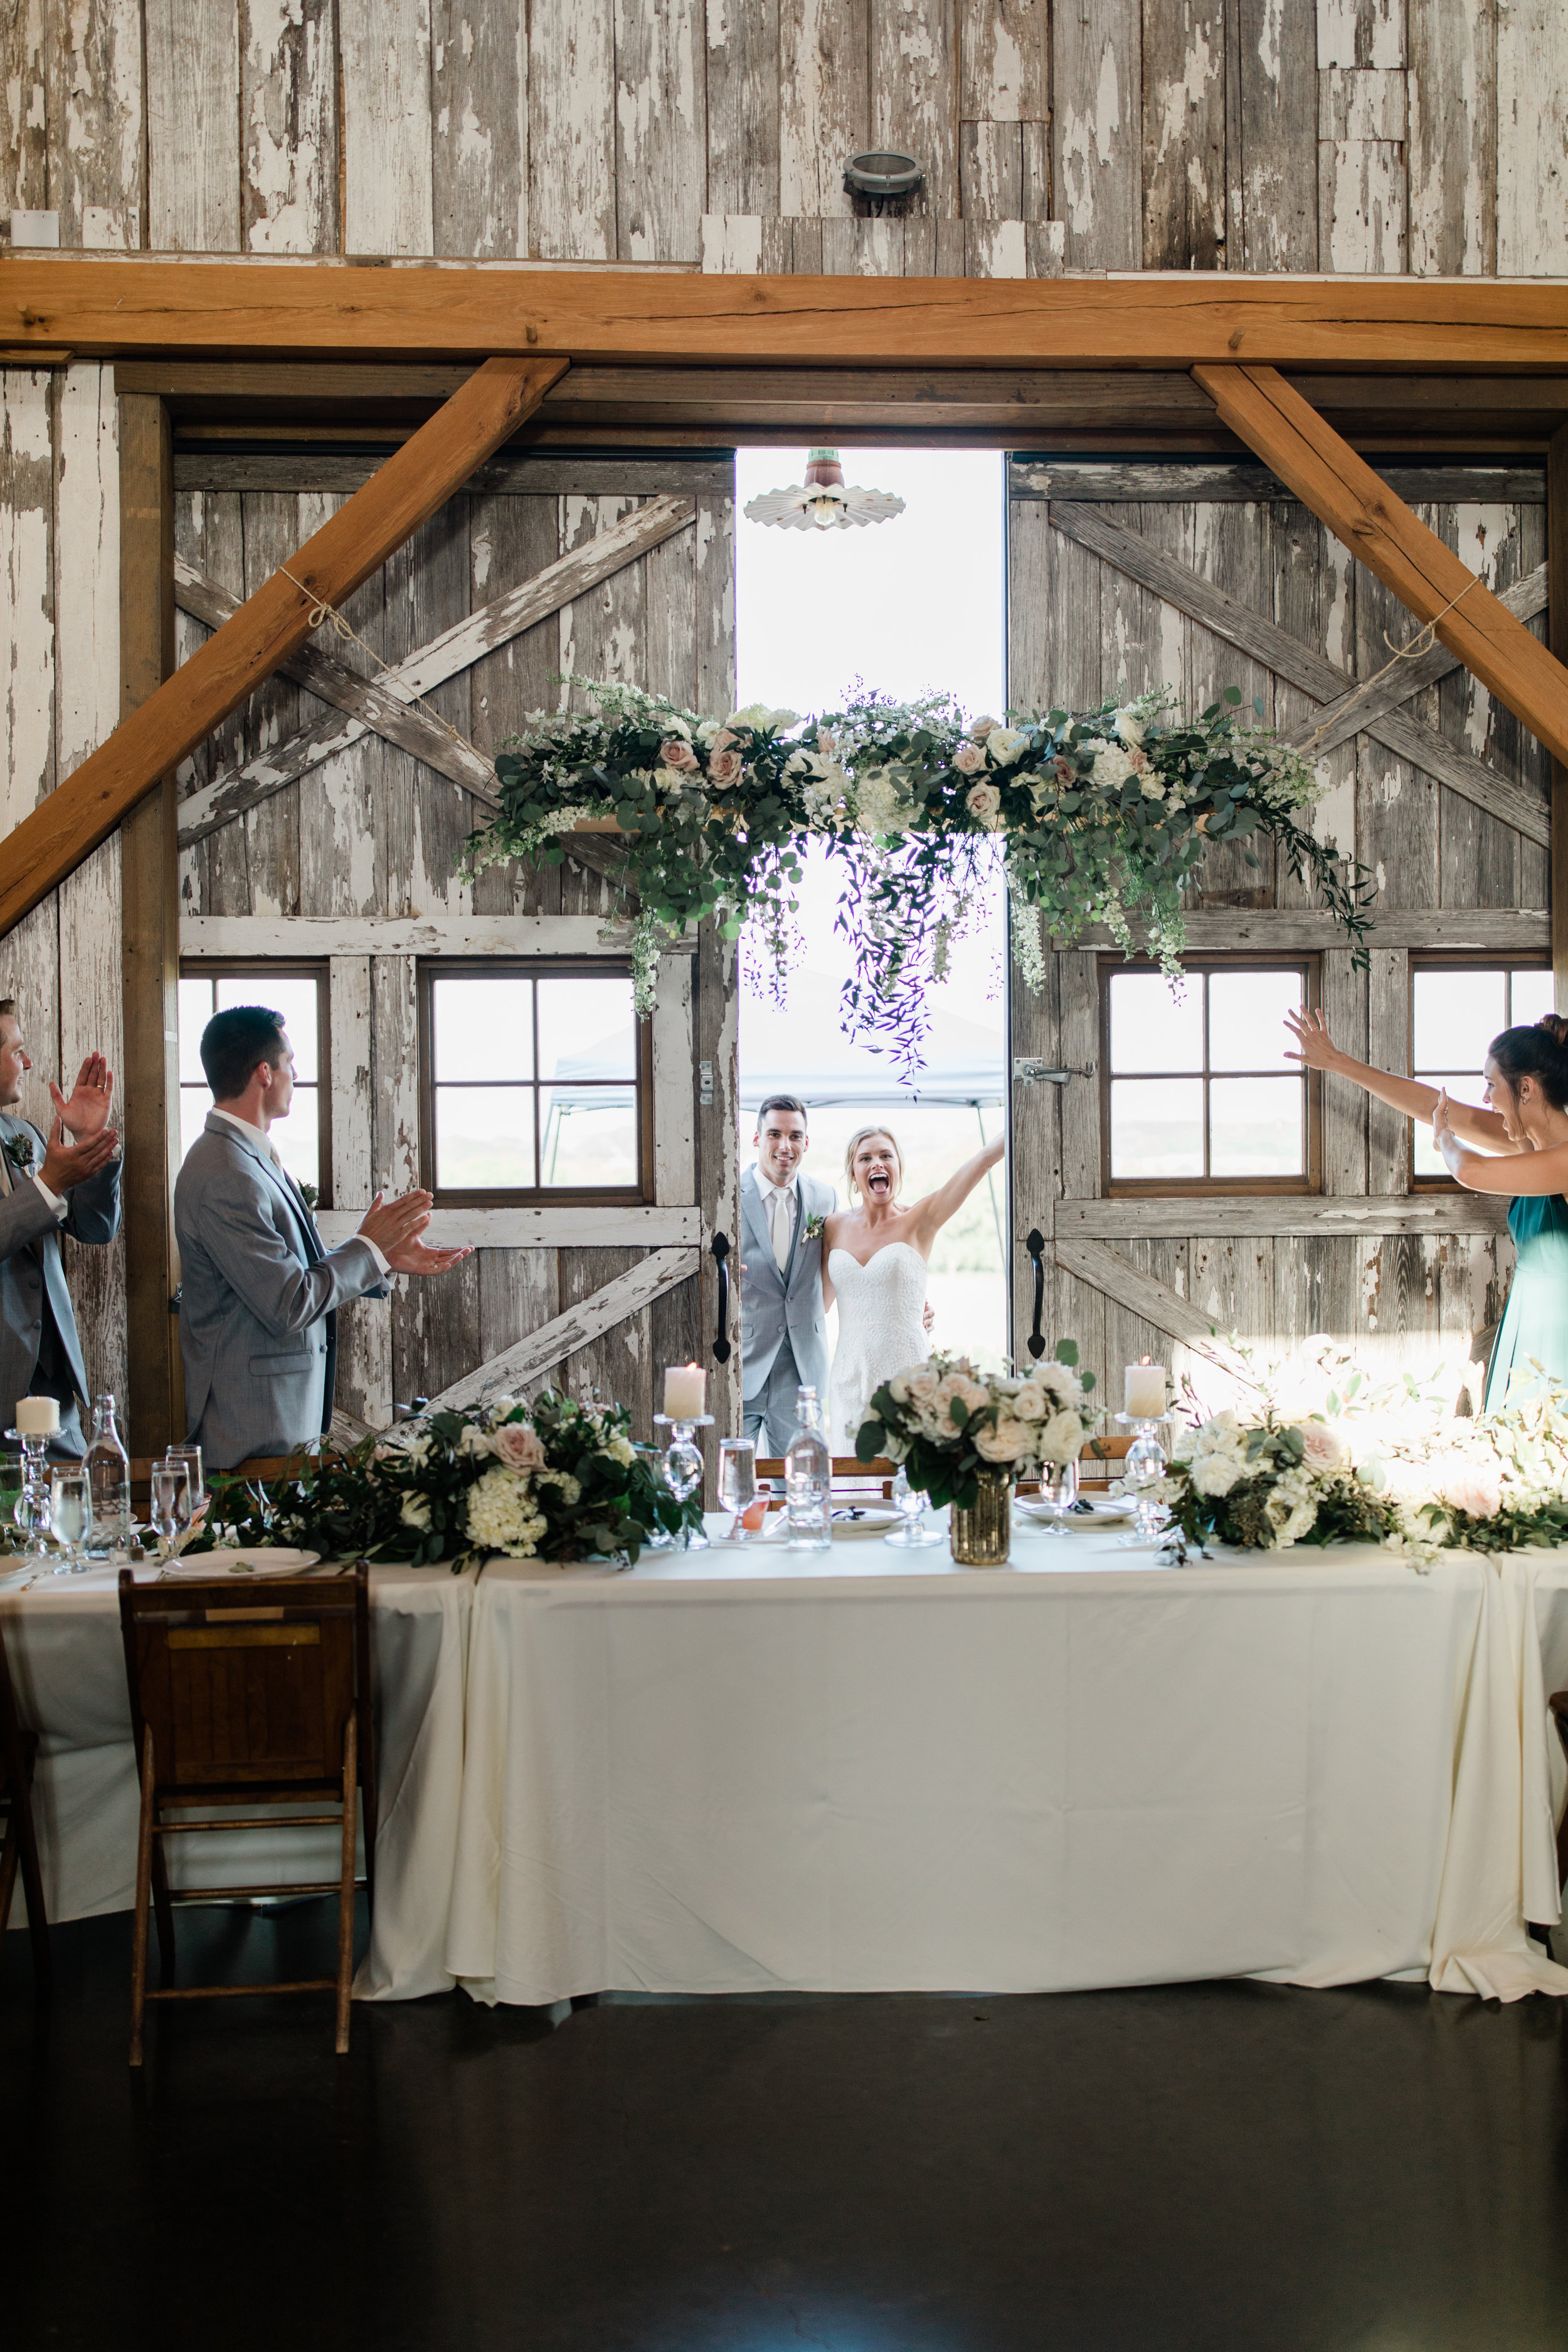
(980, 1538)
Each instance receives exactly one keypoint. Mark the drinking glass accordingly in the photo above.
(1058, 1494)
(71, 1513)
(912, 1503)
(737, 1480)
(171, 1503)
(191, 1457)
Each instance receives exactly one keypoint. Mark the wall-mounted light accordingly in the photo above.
(821, 502)
(883, 180)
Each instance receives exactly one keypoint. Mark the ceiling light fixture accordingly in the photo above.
(821, 502)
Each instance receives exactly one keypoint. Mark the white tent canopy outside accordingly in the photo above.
(799, 1048)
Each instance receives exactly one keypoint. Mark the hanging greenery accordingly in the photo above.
(1103, 817)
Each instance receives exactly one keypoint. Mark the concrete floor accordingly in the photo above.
(1229, 2167)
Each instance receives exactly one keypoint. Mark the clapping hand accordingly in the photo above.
(65, 1164)
(87, 1112)
(394, 1226)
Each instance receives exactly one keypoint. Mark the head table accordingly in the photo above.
(740, 1770)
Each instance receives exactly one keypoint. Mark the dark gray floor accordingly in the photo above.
(1231, 2167)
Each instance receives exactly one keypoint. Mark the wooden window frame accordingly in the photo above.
(316, 968)
(1452, 960)
(430, 969)
(1310, 964)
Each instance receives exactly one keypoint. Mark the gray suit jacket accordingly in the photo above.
(779, 1301)
(27, 1276)
(258, 1297)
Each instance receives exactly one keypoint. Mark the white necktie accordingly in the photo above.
(778, 1207)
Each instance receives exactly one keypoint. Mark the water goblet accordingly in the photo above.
(170, 1496)
(1058, 1494)
(191, 1456)
(737, 1480)
(910, 1502)
(70, 1512)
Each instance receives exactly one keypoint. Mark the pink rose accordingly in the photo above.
(983, 801)
(722, 741)
(724, 767)
(1064, 768)
(517, 1445)
(678, 753)
(1320, 1447)
(1466, 1485)
(969, 758)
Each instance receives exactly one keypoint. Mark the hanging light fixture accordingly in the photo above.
(821, 502)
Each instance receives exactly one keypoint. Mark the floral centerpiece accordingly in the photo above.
(951, 1426)
(1101, 816)
(554, 1480)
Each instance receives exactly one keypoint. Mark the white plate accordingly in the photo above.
(1099, 1515)
(871, 1519)
(260, 1559)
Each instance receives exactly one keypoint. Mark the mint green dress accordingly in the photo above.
(1535, 1321)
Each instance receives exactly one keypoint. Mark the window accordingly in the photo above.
(1456, 1010)
(298, 992)
(1195, 1090)
(537, 1083)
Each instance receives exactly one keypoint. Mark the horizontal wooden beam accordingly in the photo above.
(1342, 491)
(103, 306)
(271, 626)
(1269, 931)
(1297, 1216)
(312, 936)
(542, 1350)
(1252, 632)
(532, 473)
(540, 1228)
(1168, 481)
(1355, 711)
(1155, 1302)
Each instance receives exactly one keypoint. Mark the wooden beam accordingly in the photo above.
(1354, 711)
(1297, 1216)
(149, 1107)
(1380, 529)
(583, 1228)
(1282, 930)
(1171, 481)
(105, 306)
(1253, 634)
(550, 1345)
(1557, 638)
(161, 730)
(1152, 1300)
(238, 789)
(414, 935)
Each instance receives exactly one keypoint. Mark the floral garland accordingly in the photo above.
(947, 1424)
(1102, 817)
(555, 1480)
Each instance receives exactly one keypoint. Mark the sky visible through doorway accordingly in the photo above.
(909, 607)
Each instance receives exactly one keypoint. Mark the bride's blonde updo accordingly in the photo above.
(861, 1136)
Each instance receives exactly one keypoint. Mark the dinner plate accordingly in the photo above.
(1099, 1515)
(870, 1520)
(258, 1560)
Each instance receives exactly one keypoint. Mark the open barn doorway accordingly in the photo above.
(907, 607)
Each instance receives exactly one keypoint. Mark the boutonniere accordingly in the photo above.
(18, 1149)
(310, 1194)
(814, 1228)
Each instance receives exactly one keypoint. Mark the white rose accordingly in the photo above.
(1006, 744)
(416, 1511)
(923, 1385)
(1061, 1439)
(1007, 1442)
(899, 1387)
(1032, 1404)
(1216, 1474)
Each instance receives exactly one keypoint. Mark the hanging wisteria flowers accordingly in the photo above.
(1101, 817)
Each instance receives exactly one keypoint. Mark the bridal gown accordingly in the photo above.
(880, 1305)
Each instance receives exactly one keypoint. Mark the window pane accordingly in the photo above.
(483, 1029)
(1255, 1127)
(1246, 1018)
(196, 1012)
(1151, 1028)
(1457, 1015)
(194, 1104)
(587, 1028)
(299, 1137)
(1464, 1086)
(295, 996)
(1157, 1127)
(1531, 995)
(484, 1139)
(587, 1137)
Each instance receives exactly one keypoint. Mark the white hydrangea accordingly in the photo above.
(619, 1448)
(571, 1488)
(1112, 766)
(502, 1514)
(880, 804)
(1291, 1510)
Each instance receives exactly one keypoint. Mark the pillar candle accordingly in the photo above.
(684, 1391)
(38, 1416)
(1145, 1392)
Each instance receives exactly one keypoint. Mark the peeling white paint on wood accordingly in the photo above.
(87, 564)
(661, 129)
(1362, 32)
(572, 132)
(1363, 121)
(1097, 146)
(96, 127)
(824, 105)
(28, 649)
(1004, 60)
(1532, 139)
(289, 126)
(389, 199)
(731, 243)
(1452, 150)
(478, 87)
(24, 108)
(192, 126)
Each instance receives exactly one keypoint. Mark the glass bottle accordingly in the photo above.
(808, 1478)
(109, 1469)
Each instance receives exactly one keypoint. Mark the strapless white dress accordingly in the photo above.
(879, 1330)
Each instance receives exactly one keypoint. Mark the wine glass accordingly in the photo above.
(71, 1513)
(170, 1496)
(737, 1480)
(1058, 1494)
(910, 1503)
(191, 1457)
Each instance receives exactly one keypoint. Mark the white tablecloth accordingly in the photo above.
(732, 1773)
(68, 1664)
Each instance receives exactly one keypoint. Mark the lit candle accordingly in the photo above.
(684, 1391)
(1145, 1392)
(37, 1417)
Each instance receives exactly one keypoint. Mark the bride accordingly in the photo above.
(874, 1260)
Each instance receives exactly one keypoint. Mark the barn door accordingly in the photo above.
(325, 836)
(1125, 577)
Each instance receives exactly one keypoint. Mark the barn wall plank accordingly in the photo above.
(1096, 147)
(384, 46)
(1453, 144)
(1532, 140)
(192, 127)
(913, 73)
(744, 108)
(662, 130)
(24, 107)
(27, 571)
(572, 132)
(824, 105)
(97, 124)
(1272, 149)
(1184, 135)
(478, 121)
(289, 127)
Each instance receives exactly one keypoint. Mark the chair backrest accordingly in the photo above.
(246, 1686)
(12, 1770)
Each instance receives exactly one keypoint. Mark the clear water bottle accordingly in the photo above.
(108, 1468)
(808, 1478)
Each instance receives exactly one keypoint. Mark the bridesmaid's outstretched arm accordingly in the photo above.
(1483, 1130)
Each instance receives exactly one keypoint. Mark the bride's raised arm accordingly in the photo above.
(936, 1208)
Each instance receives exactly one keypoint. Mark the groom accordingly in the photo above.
(784, 1322)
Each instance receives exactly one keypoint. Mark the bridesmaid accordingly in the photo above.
(1517, 1145)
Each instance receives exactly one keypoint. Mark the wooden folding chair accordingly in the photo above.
(244, 1697)
(862, 1481)
(17, 1750)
